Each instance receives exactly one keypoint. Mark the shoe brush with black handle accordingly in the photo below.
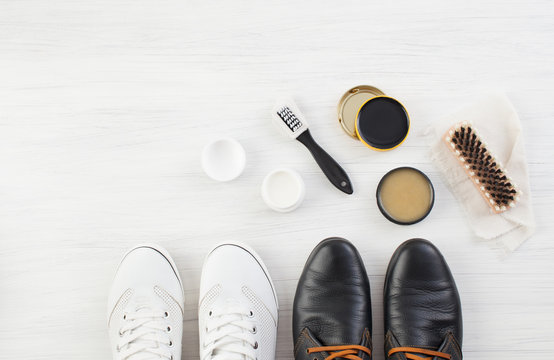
(287, 116)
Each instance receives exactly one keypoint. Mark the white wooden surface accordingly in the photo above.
(105, 106)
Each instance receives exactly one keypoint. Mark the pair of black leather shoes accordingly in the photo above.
(332, 305)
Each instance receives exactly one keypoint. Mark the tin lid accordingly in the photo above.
(223, 159)
(351, 102)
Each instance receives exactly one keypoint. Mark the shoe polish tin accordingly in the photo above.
(405, 196)
(283, 190)
(379, 121)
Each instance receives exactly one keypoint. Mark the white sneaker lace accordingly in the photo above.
(144, 335)
(230, 334)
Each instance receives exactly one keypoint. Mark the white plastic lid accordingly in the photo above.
(223, 159)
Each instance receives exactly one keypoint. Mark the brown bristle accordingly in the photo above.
(481, 166)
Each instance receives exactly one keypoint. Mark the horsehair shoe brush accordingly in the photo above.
(287, 116)
(483, 169)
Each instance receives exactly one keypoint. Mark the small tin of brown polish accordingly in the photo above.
(405, 196)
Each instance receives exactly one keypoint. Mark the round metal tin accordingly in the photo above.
(382, 123)
(351, 102)
(406, 195)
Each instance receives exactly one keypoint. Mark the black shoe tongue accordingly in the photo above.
(450, 346)
(316, 341)
(444, 345)
(366, 341)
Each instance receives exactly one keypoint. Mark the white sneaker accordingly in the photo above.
(145, 306)
(238, 311)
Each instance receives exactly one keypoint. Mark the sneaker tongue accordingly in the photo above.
(141, 357)
(143, 342)
(223, 351)
(141, 300)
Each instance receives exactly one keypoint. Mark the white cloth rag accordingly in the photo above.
(497, 123)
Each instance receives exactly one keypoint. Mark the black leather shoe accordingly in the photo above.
(332, 306)
(423, 315)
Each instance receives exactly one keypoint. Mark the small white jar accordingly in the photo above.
(283, 190)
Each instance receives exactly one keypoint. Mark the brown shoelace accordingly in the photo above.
(408, 350)
(341, 351)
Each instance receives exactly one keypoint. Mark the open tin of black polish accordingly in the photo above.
(379, 121)
(382, 123)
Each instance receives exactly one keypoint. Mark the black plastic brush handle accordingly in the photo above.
(334, 172)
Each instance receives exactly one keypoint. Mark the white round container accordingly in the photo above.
(283, 190)
(223, 159)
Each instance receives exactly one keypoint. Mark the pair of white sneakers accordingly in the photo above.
(237, 311)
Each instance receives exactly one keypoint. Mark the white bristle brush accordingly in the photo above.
(287, 116)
